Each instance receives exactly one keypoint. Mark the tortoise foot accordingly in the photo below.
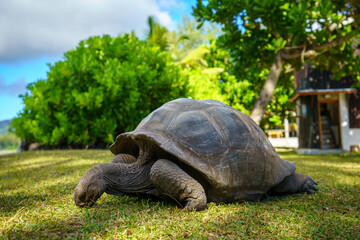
(309, 186)
(296, 183)
(195, 204)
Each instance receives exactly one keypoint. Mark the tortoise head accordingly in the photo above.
(90, 188)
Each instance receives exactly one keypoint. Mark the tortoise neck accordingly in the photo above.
(127, 178)
(146, 152)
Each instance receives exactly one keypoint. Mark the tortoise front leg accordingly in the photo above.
(171, 181)
(123, 158)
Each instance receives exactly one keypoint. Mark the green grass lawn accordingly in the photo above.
(36, 201)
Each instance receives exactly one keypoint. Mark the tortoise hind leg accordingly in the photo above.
(295, 183)
(170, 180)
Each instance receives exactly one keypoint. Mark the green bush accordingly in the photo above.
(102, 88)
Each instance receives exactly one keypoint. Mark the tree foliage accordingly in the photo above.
(212, 74)
(159, 35)
(194, 49)
(191, 37)
(102, 88)
(275, 34)
(206, 72)
(186, 38)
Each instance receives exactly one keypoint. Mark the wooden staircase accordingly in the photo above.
(328, 141)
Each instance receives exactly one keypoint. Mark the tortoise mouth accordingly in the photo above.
(84, 199)
(90, 187)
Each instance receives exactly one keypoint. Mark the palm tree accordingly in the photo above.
(158, 34)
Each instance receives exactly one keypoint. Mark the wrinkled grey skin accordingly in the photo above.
(193, 152)
(113, 178)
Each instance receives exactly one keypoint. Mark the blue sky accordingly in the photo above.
(37, 32)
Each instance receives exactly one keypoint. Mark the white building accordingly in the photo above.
(328, 111)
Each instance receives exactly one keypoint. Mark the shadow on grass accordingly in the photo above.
(12, 203)
(111, 214)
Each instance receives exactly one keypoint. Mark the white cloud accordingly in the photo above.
(34, 28)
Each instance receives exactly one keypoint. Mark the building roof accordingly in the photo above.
(305, 92)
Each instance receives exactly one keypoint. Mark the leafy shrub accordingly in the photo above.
(102, 88)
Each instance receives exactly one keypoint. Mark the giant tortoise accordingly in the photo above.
(193, 152)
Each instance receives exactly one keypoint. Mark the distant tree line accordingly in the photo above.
(9, 141)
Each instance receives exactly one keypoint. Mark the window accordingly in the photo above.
(303, 110)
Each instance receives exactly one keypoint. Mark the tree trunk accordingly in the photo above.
(267, 90)
(285, 54)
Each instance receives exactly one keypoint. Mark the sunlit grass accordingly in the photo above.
(36, 201)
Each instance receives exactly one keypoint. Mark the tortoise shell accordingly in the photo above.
(226, 147)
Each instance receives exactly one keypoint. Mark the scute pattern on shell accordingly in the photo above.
(224, 145)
